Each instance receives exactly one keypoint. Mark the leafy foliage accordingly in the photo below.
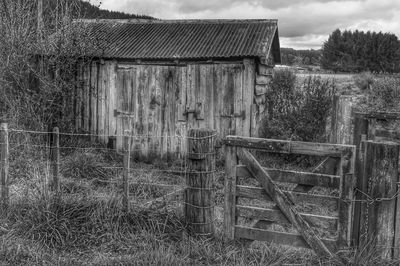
(357, 51)
(384, 96)
(364, 80)
(298, 112)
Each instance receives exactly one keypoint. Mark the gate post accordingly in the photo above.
(231, 161)
(381, 162)
(199, 194)
(126, 170)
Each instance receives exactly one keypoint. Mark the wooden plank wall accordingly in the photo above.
(159, 103)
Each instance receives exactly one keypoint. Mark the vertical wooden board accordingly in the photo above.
(164, 111)
(191, 95)
(182, 123)
(346, 196)
(93, 99)
(228, 100)
(209, 98)
(396, 250)
(86, 102)
(360, 128)
(100, 103)
(217, 77)
(154, 110)
(146, 105)
(231, 162)
(201, 91)
(238, 72)
(138, 113)
(112, 100)
(382, 168)
(80, 84)
(181, 100)
(107, 99)
(248, 96)
(171, 111)
(119, 88)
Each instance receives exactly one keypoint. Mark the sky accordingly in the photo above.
(303, 24)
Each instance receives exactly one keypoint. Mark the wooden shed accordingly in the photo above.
(158, 78)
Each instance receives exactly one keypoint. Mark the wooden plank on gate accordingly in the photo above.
(274, 215)
(288, 147)
(259, 193)
(284, 202)
(292, 239)
(288, 176)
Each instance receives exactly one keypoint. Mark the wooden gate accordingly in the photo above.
(282, 204)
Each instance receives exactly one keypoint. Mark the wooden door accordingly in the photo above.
(231, 109)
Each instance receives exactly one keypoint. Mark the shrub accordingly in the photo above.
(298, 112)
(383, 96)
(364, 80)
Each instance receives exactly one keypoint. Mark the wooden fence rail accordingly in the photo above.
(241, 163)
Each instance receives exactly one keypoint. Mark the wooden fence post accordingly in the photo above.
(4, 165)
(231, 161)
(381, 171)
(359, 135)
(127, 161)
(199, 194)
(55, 160)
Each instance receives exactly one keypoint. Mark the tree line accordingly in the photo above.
(292, 57)
(356, 51)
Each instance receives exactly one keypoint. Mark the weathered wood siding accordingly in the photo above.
(159, 103)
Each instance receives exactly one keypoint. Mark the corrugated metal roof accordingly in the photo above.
(185, 39)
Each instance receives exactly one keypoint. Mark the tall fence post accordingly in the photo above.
(55, 160)
(127, 160)
(231, 161)
(199, 194)
(4, 165)
(381, 162)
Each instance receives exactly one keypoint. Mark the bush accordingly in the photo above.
(383, 96)
(364, 80)
(298, 112)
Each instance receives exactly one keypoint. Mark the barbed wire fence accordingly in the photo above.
(41, 163)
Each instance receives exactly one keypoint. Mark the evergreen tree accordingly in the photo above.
(355, 51)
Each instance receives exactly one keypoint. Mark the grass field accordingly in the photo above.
(87, 225)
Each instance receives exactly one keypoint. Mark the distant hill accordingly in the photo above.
(83, 9)
(92, 12)
(301, 58)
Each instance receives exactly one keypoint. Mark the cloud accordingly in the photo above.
(298, 20)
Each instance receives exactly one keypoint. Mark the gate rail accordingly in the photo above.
(241, 163)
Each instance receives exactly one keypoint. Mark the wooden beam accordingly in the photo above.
(274, 215)
(288, 147)
(230, 192)
(290, 239)
(260, 194)
(285, 202)
(304, 178)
